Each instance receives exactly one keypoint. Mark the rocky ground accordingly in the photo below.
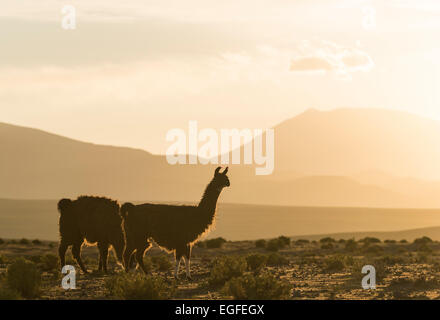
(327, 269)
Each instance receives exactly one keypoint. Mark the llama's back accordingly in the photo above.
(168, 225)
(91, 218)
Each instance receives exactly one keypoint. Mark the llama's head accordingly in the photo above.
(220, 179)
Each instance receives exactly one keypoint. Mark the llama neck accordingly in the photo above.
(209, 199)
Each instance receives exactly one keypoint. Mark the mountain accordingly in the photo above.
(345, 142)
(321, 159)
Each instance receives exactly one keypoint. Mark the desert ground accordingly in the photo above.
(278, 268)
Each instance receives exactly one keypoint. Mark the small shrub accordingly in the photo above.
(342, 241)
(260, 287)
(23, 276)
(24, 241)
(139, 287)
(260, 243)
(390, 241)
(49, 262)
(274, 245)
(390, 260)
(334, 264)
(424, 248)
(423, 241)
(215, 243)
(423, 257)
(2, 259)
(301, 242)
(370, 240)
(12, 242)
(35, 259)
(403, 241)
(284, 241)
(327, 246)
(413, 284)
(374, 249)
(226, 268)
(2, 241)
(327, 240)
(36, 242)
(276, 260)
(161, 262)
(8, 294)
(200, 244)
(256, 262)
(351, 245)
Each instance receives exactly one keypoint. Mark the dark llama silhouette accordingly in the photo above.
(95, 219)
(172, 227)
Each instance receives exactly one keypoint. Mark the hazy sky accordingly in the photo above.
(134, 69)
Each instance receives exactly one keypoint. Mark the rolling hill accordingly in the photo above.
(321, 159)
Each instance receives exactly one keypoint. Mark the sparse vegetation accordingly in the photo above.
(260, 243)
(337, 263)
(301, 242)
(351, 245)
(24, 277)
(139, 287)
(423, 241)
(24, 241)
(241, 271)
(49, 262)
(226, 268)
(215, 243)
(253, 287)
(161, 262)
(369, 240)
(284, 241)
(8, 294)
(275, 260)
(256, 261)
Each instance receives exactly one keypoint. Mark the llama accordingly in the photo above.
(174, 228)
(95, 219)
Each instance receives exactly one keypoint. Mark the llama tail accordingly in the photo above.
(63, 204)
(125, 208)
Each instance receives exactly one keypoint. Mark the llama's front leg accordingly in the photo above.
(76, 251)
(188, 262)
(178, 255)
(176, 268)
(103, 254)
(62, 253)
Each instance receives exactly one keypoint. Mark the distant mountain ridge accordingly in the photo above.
(319, 158)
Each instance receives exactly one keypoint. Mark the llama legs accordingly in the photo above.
(103, 256)
(140, 258)
(179, 254)
(188, 261)
(176, 268)
(76, 251)
(62, 253)
(128, 257)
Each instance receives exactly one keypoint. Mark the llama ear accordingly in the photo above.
(226, 170)
(217, 171)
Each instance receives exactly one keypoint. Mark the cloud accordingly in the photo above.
(325, 56)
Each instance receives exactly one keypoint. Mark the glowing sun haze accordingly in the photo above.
(134, 69)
